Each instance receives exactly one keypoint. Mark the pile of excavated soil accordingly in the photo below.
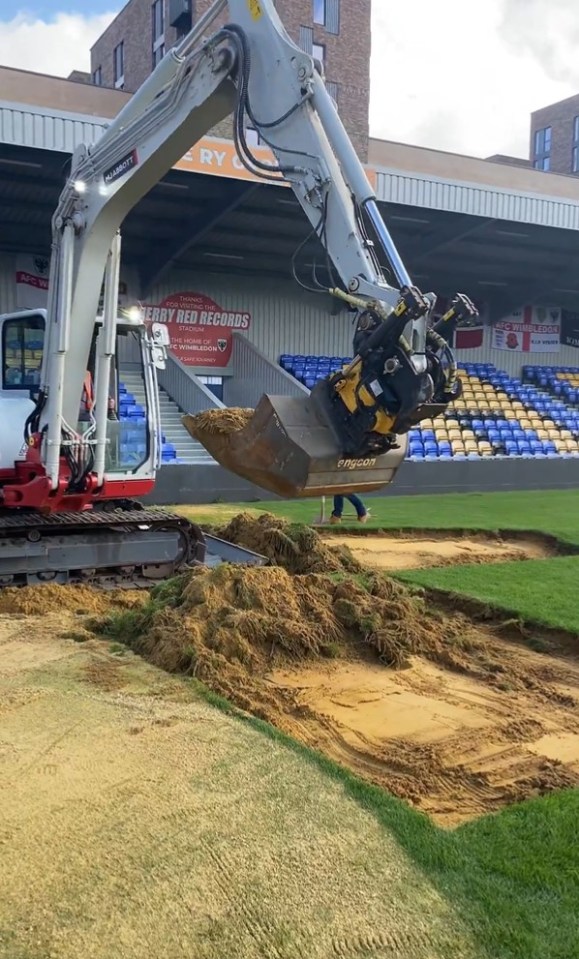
(211, 422)
(299, 549)
(51, 598)
(231, 625)
(438, 710)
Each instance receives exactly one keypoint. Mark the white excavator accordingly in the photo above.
(69, 491)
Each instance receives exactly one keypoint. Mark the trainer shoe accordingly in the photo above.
(364, 518)
(335, 520)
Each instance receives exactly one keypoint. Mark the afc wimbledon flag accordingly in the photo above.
(32, 281)
(569, 328)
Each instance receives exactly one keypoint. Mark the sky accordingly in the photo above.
(457, 75)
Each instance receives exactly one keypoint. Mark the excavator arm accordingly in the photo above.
(252, 69)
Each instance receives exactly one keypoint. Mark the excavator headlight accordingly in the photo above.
(80, 187)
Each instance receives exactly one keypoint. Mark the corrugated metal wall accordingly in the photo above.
(7, 282)
(49, 129)
(283, 320)
(436, 194)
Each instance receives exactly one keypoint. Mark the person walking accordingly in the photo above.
(361, 511)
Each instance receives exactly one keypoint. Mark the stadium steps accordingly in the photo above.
(188, 450)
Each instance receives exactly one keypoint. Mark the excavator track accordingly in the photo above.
(122, 548)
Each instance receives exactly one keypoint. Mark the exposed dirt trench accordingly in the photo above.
(413, 551)
(457, 716)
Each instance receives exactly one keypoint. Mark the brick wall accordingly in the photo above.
(347, 55)
(560, 117)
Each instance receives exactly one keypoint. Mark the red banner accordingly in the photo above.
(200, 331)
(469, 337)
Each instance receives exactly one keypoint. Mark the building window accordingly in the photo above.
(543, 149)
(575, 154)
(97, 77)
(326, 13)
(158, 31)
(319, 52)
(22, 344)
(119, 65)
(320, 12)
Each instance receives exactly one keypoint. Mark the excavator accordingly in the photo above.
(69, 492)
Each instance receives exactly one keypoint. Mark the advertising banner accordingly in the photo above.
(569, 328)
(200, 331)
(469, 337)
(31, 281)
(219, 158)
(531, 329)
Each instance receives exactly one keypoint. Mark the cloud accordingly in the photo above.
(549, 31)
(58, 46)
(464, 77)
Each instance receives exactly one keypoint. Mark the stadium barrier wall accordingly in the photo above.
(185, 389)
(180, 485)
(254, 374)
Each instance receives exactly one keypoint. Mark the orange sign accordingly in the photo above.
(219, 158)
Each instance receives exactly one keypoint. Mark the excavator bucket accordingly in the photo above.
(287, 447)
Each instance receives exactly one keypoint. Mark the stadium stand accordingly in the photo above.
(133, 433)
(497, 415)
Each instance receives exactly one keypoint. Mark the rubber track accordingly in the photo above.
(21, 524)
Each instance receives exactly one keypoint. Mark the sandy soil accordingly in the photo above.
(383, 551)
(136, 821)
(453, 744)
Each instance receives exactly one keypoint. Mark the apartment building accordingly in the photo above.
(337, 32)
(555, 137)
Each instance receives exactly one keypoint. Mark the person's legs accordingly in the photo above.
(338, 507)
(357, 504)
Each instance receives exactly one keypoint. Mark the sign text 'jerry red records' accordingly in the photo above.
(200, 331)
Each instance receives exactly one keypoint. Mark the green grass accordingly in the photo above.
(553, 511)
(513, 877)
(540, 591)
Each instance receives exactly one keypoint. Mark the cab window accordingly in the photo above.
(22, 343)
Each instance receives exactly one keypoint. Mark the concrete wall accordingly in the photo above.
(212, 484)
(437, 164)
